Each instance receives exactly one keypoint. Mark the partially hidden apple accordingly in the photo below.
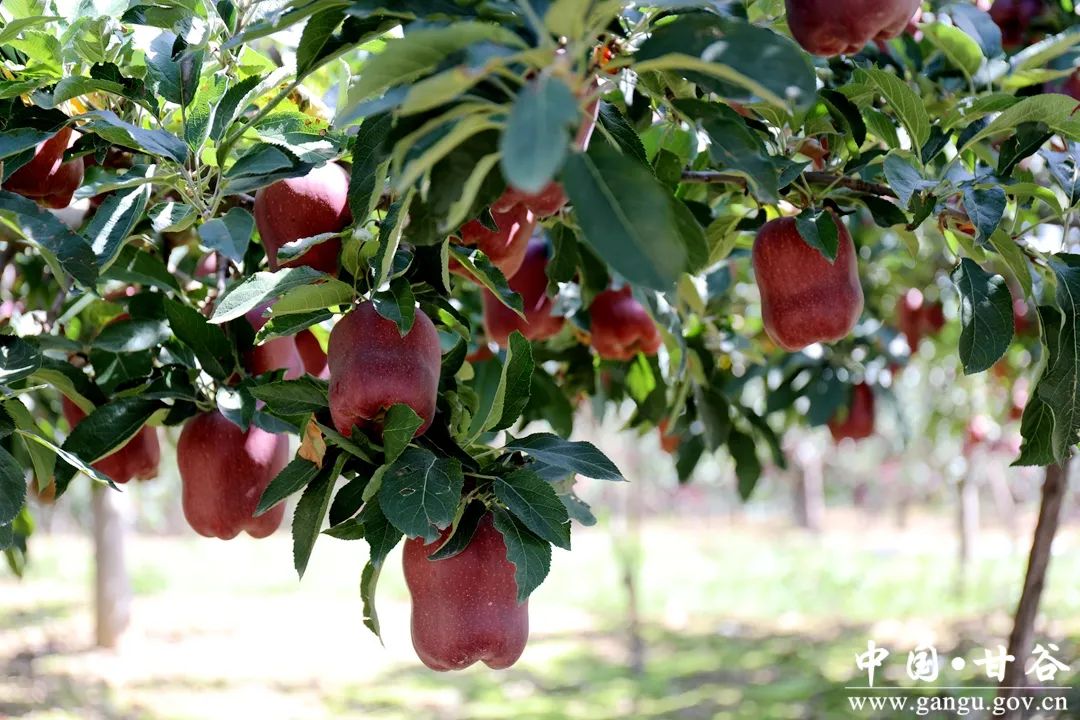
(279, 353)
(1015, 18)
(138, 458)
(224, 471)
(303, 207)
(505, 247)
(465, 607)
(312, 355)
(530, 282)
(855, 420)
(620, 327)
(47, 179)
(372, 368)
(838, 27)
(805, 299)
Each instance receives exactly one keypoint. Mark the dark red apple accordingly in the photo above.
(372, 368)
(855, 421)
(224, 471)
(620, 327)
(138, 458)
(531, 283)
(302, 207)
(47, 178)
(805, 299)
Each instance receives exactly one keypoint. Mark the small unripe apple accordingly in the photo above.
(856, 420)
(620, 327)
(47, 178)
(531, 283)
(505, 247)
(372, 368)
(303, 207)
(224, 471)
(138, 458)
(837, 27)
(805, 299)
(465, 607)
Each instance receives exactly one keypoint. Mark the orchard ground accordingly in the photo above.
(743, 617)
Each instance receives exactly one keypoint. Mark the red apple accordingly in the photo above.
(47, 178)
(836, 27)
(620, 327)
(856, 420)
(504, 247)
(531, 283)
(805, 299)
(302, 207)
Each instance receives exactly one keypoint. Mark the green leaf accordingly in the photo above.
(1037, 429)
(369, 578)
(985, 207)
(293, 397)
(369, 162)
(18, 359)
(536, 138)
(398, 304)
(530, 555)
(130, 336)
(1059, 386)
(736, 148)
(349, 499)
(101, 432)
(257, 289)
(732, 58)
(579, 457)
(420, 493)
(464, 530)
(405, 60)
(626, 138)
(61, 247)
(12, 487)
(310, 511)
(229, 234)
(535, 503)
(747, 464)
(515, 385)
(294, 476)
(904, 103)
(160, 143)
(818, 229)
(351, 529)
(171, 216)
(381, 535)
(399, 427)
(625, 216)
(209, 343)
(307, 298)
(317, 32)
(960, 48)
(1057, 112)
(389, 238)
(986, 313)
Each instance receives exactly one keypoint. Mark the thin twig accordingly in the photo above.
(710, 177)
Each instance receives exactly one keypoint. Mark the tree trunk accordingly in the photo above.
(1023, 633)
(112, 586)
(809, 492)
(967, 528)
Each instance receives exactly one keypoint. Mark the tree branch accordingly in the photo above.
(1023, 632)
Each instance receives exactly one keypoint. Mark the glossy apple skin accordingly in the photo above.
(620, 327)
(505, 247)
(1014, 17)
(296, 208)
(838, 27)
(46, 178)
(465, 608)
(224, 471)
(531, 283)
(373, 368)
(275, 354)
(805, 299)
(138, 458)
(312, 355)
(858, 423)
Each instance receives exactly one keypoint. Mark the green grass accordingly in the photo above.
(739, 621)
